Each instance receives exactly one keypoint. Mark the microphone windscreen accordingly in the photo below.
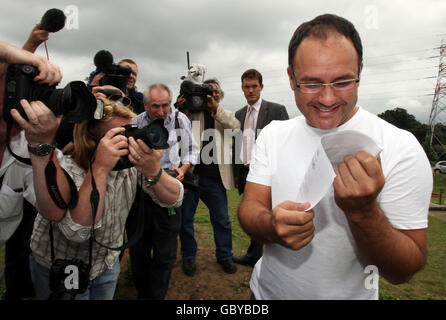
(103, 59)
(53, 20)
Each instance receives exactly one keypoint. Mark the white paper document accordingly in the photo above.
(329, 154)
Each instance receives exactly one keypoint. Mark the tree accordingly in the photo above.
(400, 118)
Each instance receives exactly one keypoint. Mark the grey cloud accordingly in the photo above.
(231, 36)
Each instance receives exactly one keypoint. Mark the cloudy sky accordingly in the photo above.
(401, 40)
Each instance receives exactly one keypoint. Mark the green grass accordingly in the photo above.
(240, 240)
(429, 283)
(439, 186)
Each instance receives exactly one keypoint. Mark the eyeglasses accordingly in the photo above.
(342, 85)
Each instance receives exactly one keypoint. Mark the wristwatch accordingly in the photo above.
(42, 149)
(149, 182)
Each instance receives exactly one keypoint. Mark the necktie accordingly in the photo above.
(248, 135)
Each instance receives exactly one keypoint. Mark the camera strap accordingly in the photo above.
(8, 142)
(177, 126)
(94, 200)
(53, 189)
(53, 256)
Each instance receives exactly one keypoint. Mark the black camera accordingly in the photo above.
(114, 74)
(68, 278)
(195, 95)
(154, 135)
(75, 102)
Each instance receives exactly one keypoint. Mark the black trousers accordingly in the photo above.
(255, 249)
(17, 274)
(153, 256)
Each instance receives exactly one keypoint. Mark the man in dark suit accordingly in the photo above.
(253, 117)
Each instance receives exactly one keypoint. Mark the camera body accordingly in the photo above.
(195, 95)
(154, 135)
(74, 101)
(117, 76)
(114, 74)
(59, 274)
(193, 89)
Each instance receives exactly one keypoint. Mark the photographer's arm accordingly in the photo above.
(100, 95)
(36, 37)
(168, 190)
(190, 152)
(111, 147)
(225, 117)
(42, 128)
(182, 170)
(49, 73)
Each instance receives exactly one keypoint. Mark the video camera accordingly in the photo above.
(193, 89)
(114, 74)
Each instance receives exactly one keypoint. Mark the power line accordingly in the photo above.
(369, 73)
(401, 53)
(396, 97)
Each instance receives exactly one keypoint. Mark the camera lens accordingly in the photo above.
(156, 134)
(197, 101)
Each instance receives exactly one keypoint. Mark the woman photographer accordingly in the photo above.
(71, 228)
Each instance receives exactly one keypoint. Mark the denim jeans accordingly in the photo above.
(213, 194)
(101, 288)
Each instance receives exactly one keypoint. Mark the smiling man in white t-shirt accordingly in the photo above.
(372, 221)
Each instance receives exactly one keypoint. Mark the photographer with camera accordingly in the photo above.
(215, 177)
(137, 98)
(17, 275)
(107, 81)
(16, 182)
(153, 256)
(62, 237)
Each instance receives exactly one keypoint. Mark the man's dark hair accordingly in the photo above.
(322, 27)
(252, 74)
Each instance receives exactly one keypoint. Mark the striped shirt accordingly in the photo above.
(71, 239)
(189, 148)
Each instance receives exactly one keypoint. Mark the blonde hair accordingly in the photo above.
(85, 135)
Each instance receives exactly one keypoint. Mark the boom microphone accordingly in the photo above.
(102, 60)
(53, 20)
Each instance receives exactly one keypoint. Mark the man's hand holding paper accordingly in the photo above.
(356, 154)
(359, 180)
(293, 226)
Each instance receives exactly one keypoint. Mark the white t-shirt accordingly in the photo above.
(17, 184)
(328, 267)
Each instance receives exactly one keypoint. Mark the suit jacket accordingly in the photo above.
(223, 119)
(268, 112)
